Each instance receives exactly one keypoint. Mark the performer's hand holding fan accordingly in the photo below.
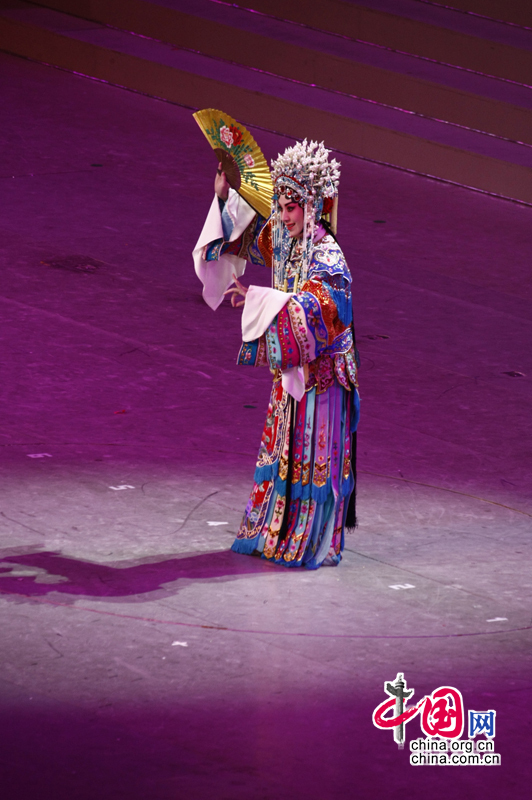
(242, 160)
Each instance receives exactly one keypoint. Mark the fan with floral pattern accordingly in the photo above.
(242, 159)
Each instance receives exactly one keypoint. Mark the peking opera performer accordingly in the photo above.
(302, 499)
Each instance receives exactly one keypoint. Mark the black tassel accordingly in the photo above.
(351, 521)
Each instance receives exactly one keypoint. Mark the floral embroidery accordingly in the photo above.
(307, 347)
(226, 135)
(328, 258)
(237, 135)
(231, 135)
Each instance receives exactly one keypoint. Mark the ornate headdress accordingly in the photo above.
(304, 174)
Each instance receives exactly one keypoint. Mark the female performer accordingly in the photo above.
(302, 329)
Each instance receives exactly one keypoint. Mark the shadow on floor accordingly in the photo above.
(40, 573)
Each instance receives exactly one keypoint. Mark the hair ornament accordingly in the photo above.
(303, 174)
(307, 165)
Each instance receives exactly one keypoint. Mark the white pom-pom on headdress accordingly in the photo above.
(308, 164)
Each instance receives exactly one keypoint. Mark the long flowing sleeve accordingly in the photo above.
(226, 242)
(307, 336)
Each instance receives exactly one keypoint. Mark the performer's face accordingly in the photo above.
(292, 216)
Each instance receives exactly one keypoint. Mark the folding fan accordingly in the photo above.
(242, 160)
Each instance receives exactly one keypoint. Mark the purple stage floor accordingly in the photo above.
(140, 658)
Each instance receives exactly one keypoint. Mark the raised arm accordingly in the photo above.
(227, 241)
(232, 207)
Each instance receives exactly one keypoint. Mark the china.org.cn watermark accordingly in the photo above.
(442, 719)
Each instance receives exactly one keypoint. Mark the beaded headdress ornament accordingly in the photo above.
(304, 174)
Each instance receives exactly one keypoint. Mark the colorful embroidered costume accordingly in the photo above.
(302, 329)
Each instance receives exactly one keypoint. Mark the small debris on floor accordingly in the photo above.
(401, 586)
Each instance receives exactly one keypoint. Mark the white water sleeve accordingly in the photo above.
(217, 276)
(261, 307)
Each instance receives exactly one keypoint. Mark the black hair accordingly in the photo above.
(328, 229)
